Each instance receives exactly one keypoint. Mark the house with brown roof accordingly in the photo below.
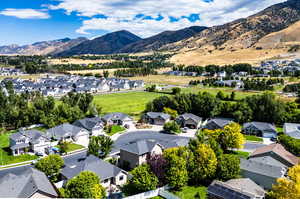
(275, 153)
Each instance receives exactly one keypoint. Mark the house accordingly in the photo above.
(260, 129)
(292, 130)
(110, 175)
(94, 125)
(156, 118)
(117, 119)
(217, 123)
(30, 183)
(262, 173)
(137, 153)
(69, 133)
(242, 188)
(189, 120)
(28, 141)
(275, 153)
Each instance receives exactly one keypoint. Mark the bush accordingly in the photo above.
(228, 167)
(290, 144)
(172, 127)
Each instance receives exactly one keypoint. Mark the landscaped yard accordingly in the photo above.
(132, 103)
(253, 138)
(189, 192)
(5, 154)
(241, 154)
(72, 147)
(115, 129)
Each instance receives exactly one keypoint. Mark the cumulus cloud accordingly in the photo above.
(25, 13)
(121, 14)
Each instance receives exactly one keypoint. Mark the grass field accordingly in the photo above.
(5, 155)
(132, 103)
(253, 138)
(189, 192)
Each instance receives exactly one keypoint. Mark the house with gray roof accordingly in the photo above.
(261, 129)
(243, 188)
(94, 125)
(28, 141)
(117, 119)
(217, 123)
(31, 183)
(110, 175)
(292, 130)
(70, 133)
(156, 118)
(261, 173)
(137, 153)
(189, 120)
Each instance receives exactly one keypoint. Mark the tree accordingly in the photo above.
(172, 127)
(171, 112)
(158, 165)
(221, 95)
(105, 74)
(289, 187)
(51, 166)
(142, 180)
(176, 169)
(232, 96)
(228, 167)
(85, 185)
(204, 164)
(100, 146)
(176, 91)
(63, 146)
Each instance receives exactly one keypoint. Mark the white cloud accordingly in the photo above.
(25, 13)
(121, 13)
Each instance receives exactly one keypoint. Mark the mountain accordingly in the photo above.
(107, 44)
(157, 41)
(42, 48)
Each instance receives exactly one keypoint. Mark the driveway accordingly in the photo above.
(252, 146)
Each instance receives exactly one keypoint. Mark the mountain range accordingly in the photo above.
(265, 34)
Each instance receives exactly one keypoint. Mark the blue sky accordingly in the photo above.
(28, 21)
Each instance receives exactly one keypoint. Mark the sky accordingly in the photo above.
(28, 21)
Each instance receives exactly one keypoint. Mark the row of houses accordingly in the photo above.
(61, 85)
(10, 72)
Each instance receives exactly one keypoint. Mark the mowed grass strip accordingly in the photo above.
(131, 103)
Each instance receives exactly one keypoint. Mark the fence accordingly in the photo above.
(150, 194)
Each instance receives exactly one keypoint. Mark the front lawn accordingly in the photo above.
(5, 154)
(189, 192)
(253, 138)
(114, 129)
(241, 154)
(71, 147)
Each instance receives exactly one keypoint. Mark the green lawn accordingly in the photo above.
(189, 192)
(5, 154)
(72, 147)
(115, 129)
(241, 154)
(279, 129)
(253, 138)
(132, 103)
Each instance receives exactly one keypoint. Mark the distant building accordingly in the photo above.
(292, 130)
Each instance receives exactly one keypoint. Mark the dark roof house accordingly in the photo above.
(90, 124)
(217, 123)
(65, 131)
(189, 120)
(29, 184)
(261, 129)
(116, 118)
(156, 118)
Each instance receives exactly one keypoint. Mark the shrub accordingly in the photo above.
(172, 127)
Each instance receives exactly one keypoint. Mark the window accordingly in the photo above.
(121, 178)
(106, 181)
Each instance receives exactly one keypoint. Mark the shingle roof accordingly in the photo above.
(262, 168)
(243, 188)
(220, 122)
(64, 130)
(88, 123)
(33, 137)
(292, 129)
(102, 168)
(262, 126)
(188, 116)
(279, 150)
(140, 147)
(115, 116)
(155, 115)
(25, 184)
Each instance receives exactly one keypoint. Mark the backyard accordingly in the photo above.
(190, 192)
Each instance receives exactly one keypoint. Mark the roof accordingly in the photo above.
(277, 149)
(19, 146)
(155, 115)
(262, 168)
(140, 147)
(292, 129)
(262, 126)
(242, 188)
(64, 130)
(88, 123)
(191, 116)
(102, 168)
(25, 185)
(33, 135)
(115, 116)
(220, 122)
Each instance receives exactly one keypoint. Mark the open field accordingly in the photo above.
(77, 61)
(32, 77)
(167, 79)
(96, 71)
(132, 103)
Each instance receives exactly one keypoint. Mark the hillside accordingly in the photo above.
(107, 44)
(157, 41)
(42, 48)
